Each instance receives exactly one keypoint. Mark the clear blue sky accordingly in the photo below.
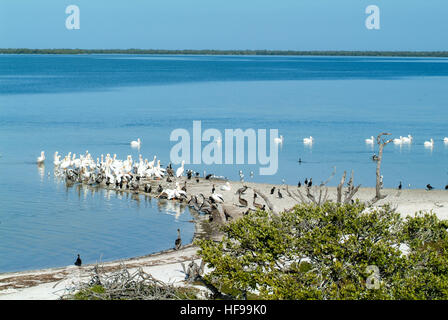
(226, 24)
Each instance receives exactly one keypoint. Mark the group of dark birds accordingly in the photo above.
(429, 187)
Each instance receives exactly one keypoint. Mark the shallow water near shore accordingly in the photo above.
(101, 102)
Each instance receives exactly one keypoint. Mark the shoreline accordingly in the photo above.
(165, 265)
(231, 52)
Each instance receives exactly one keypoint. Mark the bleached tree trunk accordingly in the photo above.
(381, 143)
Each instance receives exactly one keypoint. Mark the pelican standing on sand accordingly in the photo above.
(226, 187)
(41, 159)
(78, 261)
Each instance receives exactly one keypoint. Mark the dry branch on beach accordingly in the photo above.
(125, 285)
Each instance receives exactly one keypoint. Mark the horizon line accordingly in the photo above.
(403, 53)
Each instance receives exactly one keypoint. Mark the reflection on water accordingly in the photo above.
(65, 219)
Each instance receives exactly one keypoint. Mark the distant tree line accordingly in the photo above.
(228, 52)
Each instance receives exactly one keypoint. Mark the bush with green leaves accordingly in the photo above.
(332, 251)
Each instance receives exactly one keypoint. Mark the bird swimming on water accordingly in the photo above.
(41, 159)
(78, 261)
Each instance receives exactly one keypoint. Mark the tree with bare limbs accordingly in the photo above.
(382, 142)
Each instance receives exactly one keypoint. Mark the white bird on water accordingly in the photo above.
(398, 140)
(370, 141)
(308, 140)
(136, 144)
(445, 139)
(41, 159)
(226, 187)
(429, 143)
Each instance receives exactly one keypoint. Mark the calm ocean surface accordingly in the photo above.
(101, 102)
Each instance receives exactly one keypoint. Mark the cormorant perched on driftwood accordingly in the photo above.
(78, 261)
(178, 242)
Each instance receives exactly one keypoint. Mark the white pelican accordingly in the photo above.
(429, 143)
(308, 140)
(279, 140)
(371, 140)
(180, 170)
(398, 140)
(408, 139)
(41, 159)
(136, 144)
(226, 187)
(217, 197)
(445, 139)
(57, 161)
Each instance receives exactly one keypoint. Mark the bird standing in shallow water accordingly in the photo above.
(78, 261)
(178, 242)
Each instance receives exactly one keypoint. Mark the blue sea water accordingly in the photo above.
(101, 102)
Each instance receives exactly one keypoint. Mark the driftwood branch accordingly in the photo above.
(381, 143)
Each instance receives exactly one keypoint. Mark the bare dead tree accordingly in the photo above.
(382, 142)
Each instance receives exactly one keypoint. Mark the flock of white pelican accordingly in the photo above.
(112, 171)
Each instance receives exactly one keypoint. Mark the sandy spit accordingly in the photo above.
(49, 284)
